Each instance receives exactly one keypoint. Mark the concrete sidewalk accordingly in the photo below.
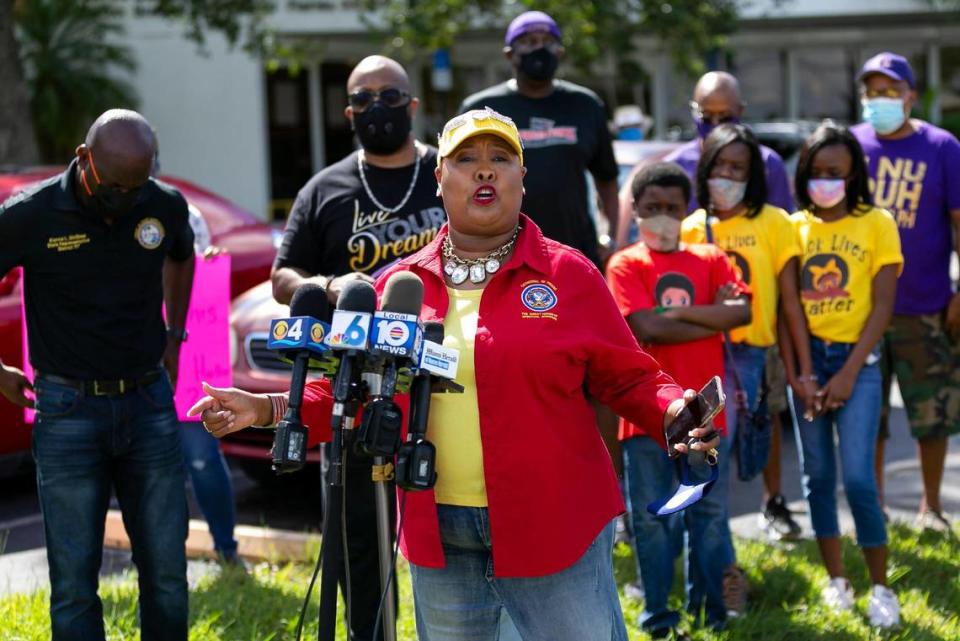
(903, 484)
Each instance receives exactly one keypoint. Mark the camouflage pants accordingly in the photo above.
(927, 365)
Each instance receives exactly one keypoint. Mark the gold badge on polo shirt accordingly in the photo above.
(149, 233)
(539, 297)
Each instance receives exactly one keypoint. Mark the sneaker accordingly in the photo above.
(838, 595)
(634, 591)
(883, 609)
(735, 591)
(935, 520)
(777, 521)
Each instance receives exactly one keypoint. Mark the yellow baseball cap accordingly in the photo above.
(474, 123)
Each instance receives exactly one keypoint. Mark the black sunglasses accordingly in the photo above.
(361, 100)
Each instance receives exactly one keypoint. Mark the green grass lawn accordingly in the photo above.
(264, 604)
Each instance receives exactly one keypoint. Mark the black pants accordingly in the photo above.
(361, 522)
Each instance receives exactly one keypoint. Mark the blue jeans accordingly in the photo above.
(84, 446)
(856, 424)
(463, 601)
(650, 475)
(750, 362)
(211, 483)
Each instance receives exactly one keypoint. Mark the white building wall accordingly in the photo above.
(209, 111)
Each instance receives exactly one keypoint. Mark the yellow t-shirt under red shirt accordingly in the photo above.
(454, 422)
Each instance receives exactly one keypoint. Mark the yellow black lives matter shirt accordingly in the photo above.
(838, 263)
(759, 248)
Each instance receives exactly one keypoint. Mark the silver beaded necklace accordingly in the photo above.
(476, 268)
(413, 182)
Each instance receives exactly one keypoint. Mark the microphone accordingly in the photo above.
(396, 342)
(306, 331)
(349, 334)
(416, 459)
(300, 338)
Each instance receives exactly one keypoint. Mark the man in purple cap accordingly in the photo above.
(913, 174)
(564, 132)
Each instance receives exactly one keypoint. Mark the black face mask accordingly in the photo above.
(540, 64)
(113, 204)
(102, 200)
(382, 130)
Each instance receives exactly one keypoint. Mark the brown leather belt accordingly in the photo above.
(100, 387)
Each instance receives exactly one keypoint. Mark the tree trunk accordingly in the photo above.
(18, 145)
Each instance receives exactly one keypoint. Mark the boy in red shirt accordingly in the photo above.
(678, 300)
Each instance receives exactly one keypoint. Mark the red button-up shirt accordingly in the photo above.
(547, 329)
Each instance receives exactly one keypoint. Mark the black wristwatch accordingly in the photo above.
(178, 332)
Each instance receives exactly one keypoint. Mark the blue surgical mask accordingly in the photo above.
(885, 115)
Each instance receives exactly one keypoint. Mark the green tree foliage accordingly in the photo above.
(591, 30)
(71, 63)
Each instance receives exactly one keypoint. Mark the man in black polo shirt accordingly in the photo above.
(92, 243)
(564, 132)
(355, 217)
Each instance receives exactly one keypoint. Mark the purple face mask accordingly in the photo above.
(704, 127)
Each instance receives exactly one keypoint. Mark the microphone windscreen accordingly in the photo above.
(403, 294)
(358, 296)
(311, 299)
(433, 332)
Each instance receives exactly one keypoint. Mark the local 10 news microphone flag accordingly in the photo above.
(300, 340)
(395, 344)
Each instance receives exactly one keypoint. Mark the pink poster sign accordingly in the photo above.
(205, 356)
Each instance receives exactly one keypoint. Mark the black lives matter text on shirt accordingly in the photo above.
(93, 291)
(335, 228)
(564, 135)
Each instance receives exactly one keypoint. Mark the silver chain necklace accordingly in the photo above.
(413, 181)
(476, 268)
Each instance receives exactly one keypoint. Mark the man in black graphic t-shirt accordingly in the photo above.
(352, 219)
(564, 131)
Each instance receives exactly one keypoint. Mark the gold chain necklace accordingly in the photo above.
(458, 269)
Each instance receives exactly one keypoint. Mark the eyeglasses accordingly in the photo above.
(361, 100)
(886, 92)
(696, 111)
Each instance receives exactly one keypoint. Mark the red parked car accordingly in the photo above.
(250, 242)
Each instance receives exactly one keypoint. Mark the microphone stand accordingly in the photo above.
(332, 561)
(382, 474)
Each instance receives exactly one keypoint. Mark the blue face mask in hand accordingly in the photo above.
(885, 115)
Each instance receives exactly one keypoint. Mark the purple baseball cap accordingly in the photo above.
(890, 65)
(531, 21)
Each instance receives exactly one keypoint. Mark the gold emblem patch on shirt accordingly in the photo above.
(538, 297)
(67, 243)
(149, 233)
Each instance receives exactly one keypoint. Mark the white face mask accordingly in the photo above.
(725, 194)
(660, 233)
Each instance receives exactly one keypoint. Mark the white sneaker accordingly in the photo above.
(883, 609)
(838, 595)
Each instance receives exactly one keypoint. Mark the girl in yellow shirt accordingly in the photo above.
(849, 267)
(761, 244)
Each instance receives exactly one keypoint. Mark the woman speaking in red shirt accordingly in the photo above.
(521, 517)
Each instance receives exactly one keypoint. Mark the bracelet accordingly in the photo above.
(812, 378)
(279, 403)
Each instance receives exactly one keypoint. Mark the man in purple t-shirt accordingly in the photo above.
(914, 174)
